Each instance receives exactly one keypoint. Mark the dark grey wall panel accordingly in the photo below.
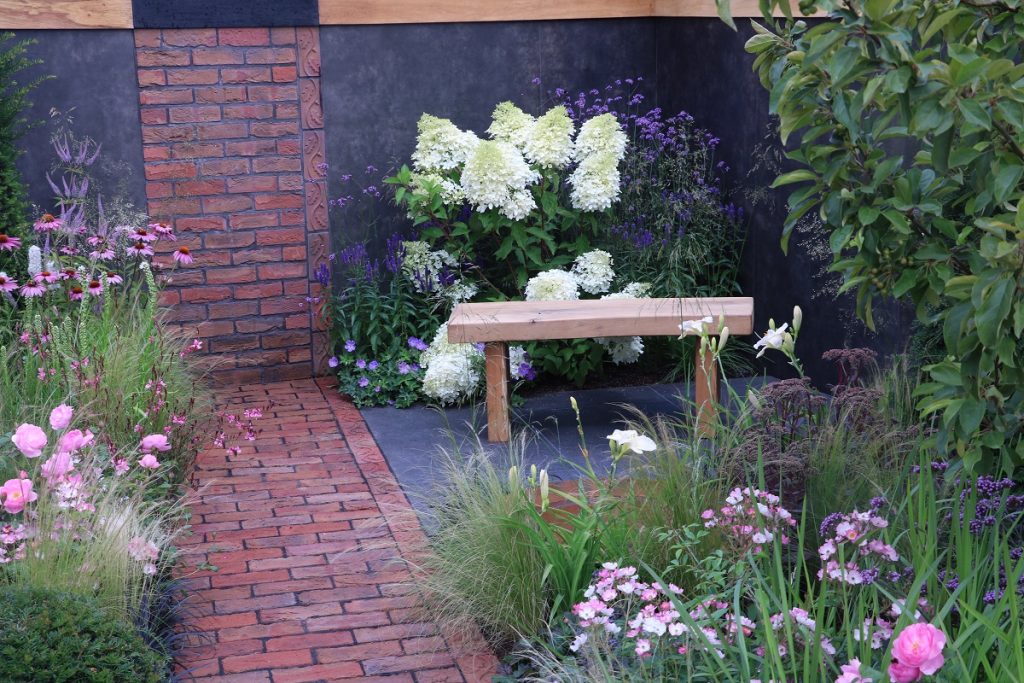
(378, 80)
(94, 73)
(224, 13)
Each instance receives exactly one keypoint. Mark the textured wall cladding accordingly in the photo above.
(224, 13)
(703, 69)
(377, 80)
(223, 143)
(105, 108)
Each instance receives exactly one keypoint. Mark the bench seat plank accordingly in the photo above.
(546, 320)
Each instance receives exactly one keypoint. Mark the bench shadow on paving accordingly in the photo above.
(412, 439)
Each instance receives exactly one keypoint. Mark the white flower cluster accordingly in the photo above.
(625, 350)
(451, 192)
(497, 176)
(593, 271)
(440, 145)
(549, 143)
(600, 146)
(510, 124)
(552, 285)
(452, 371)
(423, 266)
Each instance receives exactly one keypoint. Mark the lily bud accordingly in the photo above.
(723, 337)
(798, 317)
(572, 402)
(533, 475)
(513, 477)
(543, 490)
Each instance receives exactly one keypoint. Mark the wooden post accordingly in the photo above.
(496, 362)
(705, 381)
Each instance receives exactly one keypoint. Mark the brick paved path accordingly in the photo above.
(306, 527)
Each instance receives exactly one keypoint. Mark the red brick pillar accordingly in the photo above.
(223, 139)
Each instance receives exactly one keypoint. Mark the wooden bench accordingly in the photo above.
(495, 324)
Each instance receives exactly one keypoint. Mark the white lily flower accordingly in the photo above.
(695, 326)
(772, 339)
(633, 440)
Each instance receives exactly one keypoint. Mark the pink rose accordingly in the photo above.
(900, 673)
(57, 466)
(149, 461)
(74, 441)
(850, 673)
(17, 493)
(153, 442)
(920, 646)
(30, 440)
(60, 417)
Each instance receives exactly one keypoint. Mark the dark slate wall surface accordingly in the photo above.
(224, 13)
(378, 80)
(94, 73)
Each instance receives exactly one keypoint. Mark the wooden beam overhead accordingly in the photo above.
(67, 14)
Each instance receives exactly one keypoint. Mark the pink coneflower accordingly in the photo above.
(47, 276)
(69, 251)
(48, 223)
(69, 274)
(182, 256)
(8, 243)
(7, 283)
(114, 279)
(161, 228)
(33, 288)
(143, 235)
(104, 254)
(75, 292)
(95, 287)
(140, 248)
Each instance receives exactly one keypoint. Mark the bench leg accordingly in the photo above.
(705, 381)
(496, 362)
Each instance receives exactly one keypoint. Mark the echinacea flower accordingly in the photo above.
(47, 277)
(161, 228)
(69, 274)
(95, 287)
(32, 289)
(182, 255)
(47, 223)
(75, 292)
(114, 279)
(149, 462)
(60, 417)
(143, 235)
(17, 493)
(140, 248)
(7, 283)
(8, 243)
(30, 440)
(154, 442)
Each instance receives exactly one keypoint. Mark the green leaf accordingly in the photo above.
(794, 177)
(972, 411)
(1005, 182)
(940, 150)
(725, 12)
(939, 22)
(877, 9)
(975, 113)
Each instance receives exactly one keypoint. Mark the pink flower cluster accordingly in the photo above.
(243, 425)
(752, 518)
(146, 552)
(12, 542)
(854, 540)
(804, 628)
(917, 652)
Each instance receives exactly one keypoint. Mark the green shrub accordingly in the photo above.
(61, 637)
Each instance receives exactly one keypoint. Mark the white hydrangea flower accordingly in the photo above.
(549, 143)
(440, 144)
(452, 372)
(599, 135)
(623, 350)
(460, 291)
(595, 182)
(451, 192)
(593, 271)
(634, 290)
(552, 285)
(423, 266)
(495, 176)
(510, 124)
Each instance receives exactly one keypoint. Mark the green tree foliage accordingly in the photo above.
(908, 117)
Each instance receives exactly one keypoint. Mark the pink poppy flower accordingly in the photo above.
(30, 440)
(140, 248)
(75, 292)
(32, 289)
(17, 493)
(74, 440)
(60, 417)
(7, 283)
(8, 243)
(157, 442)
(182, 255)
(47, 277)
(920, 646)
(48, 223)
(149, 461)
(95, 287)
(56, 466)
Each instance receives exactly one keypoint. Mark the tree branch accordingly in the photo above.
(1008, 137)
